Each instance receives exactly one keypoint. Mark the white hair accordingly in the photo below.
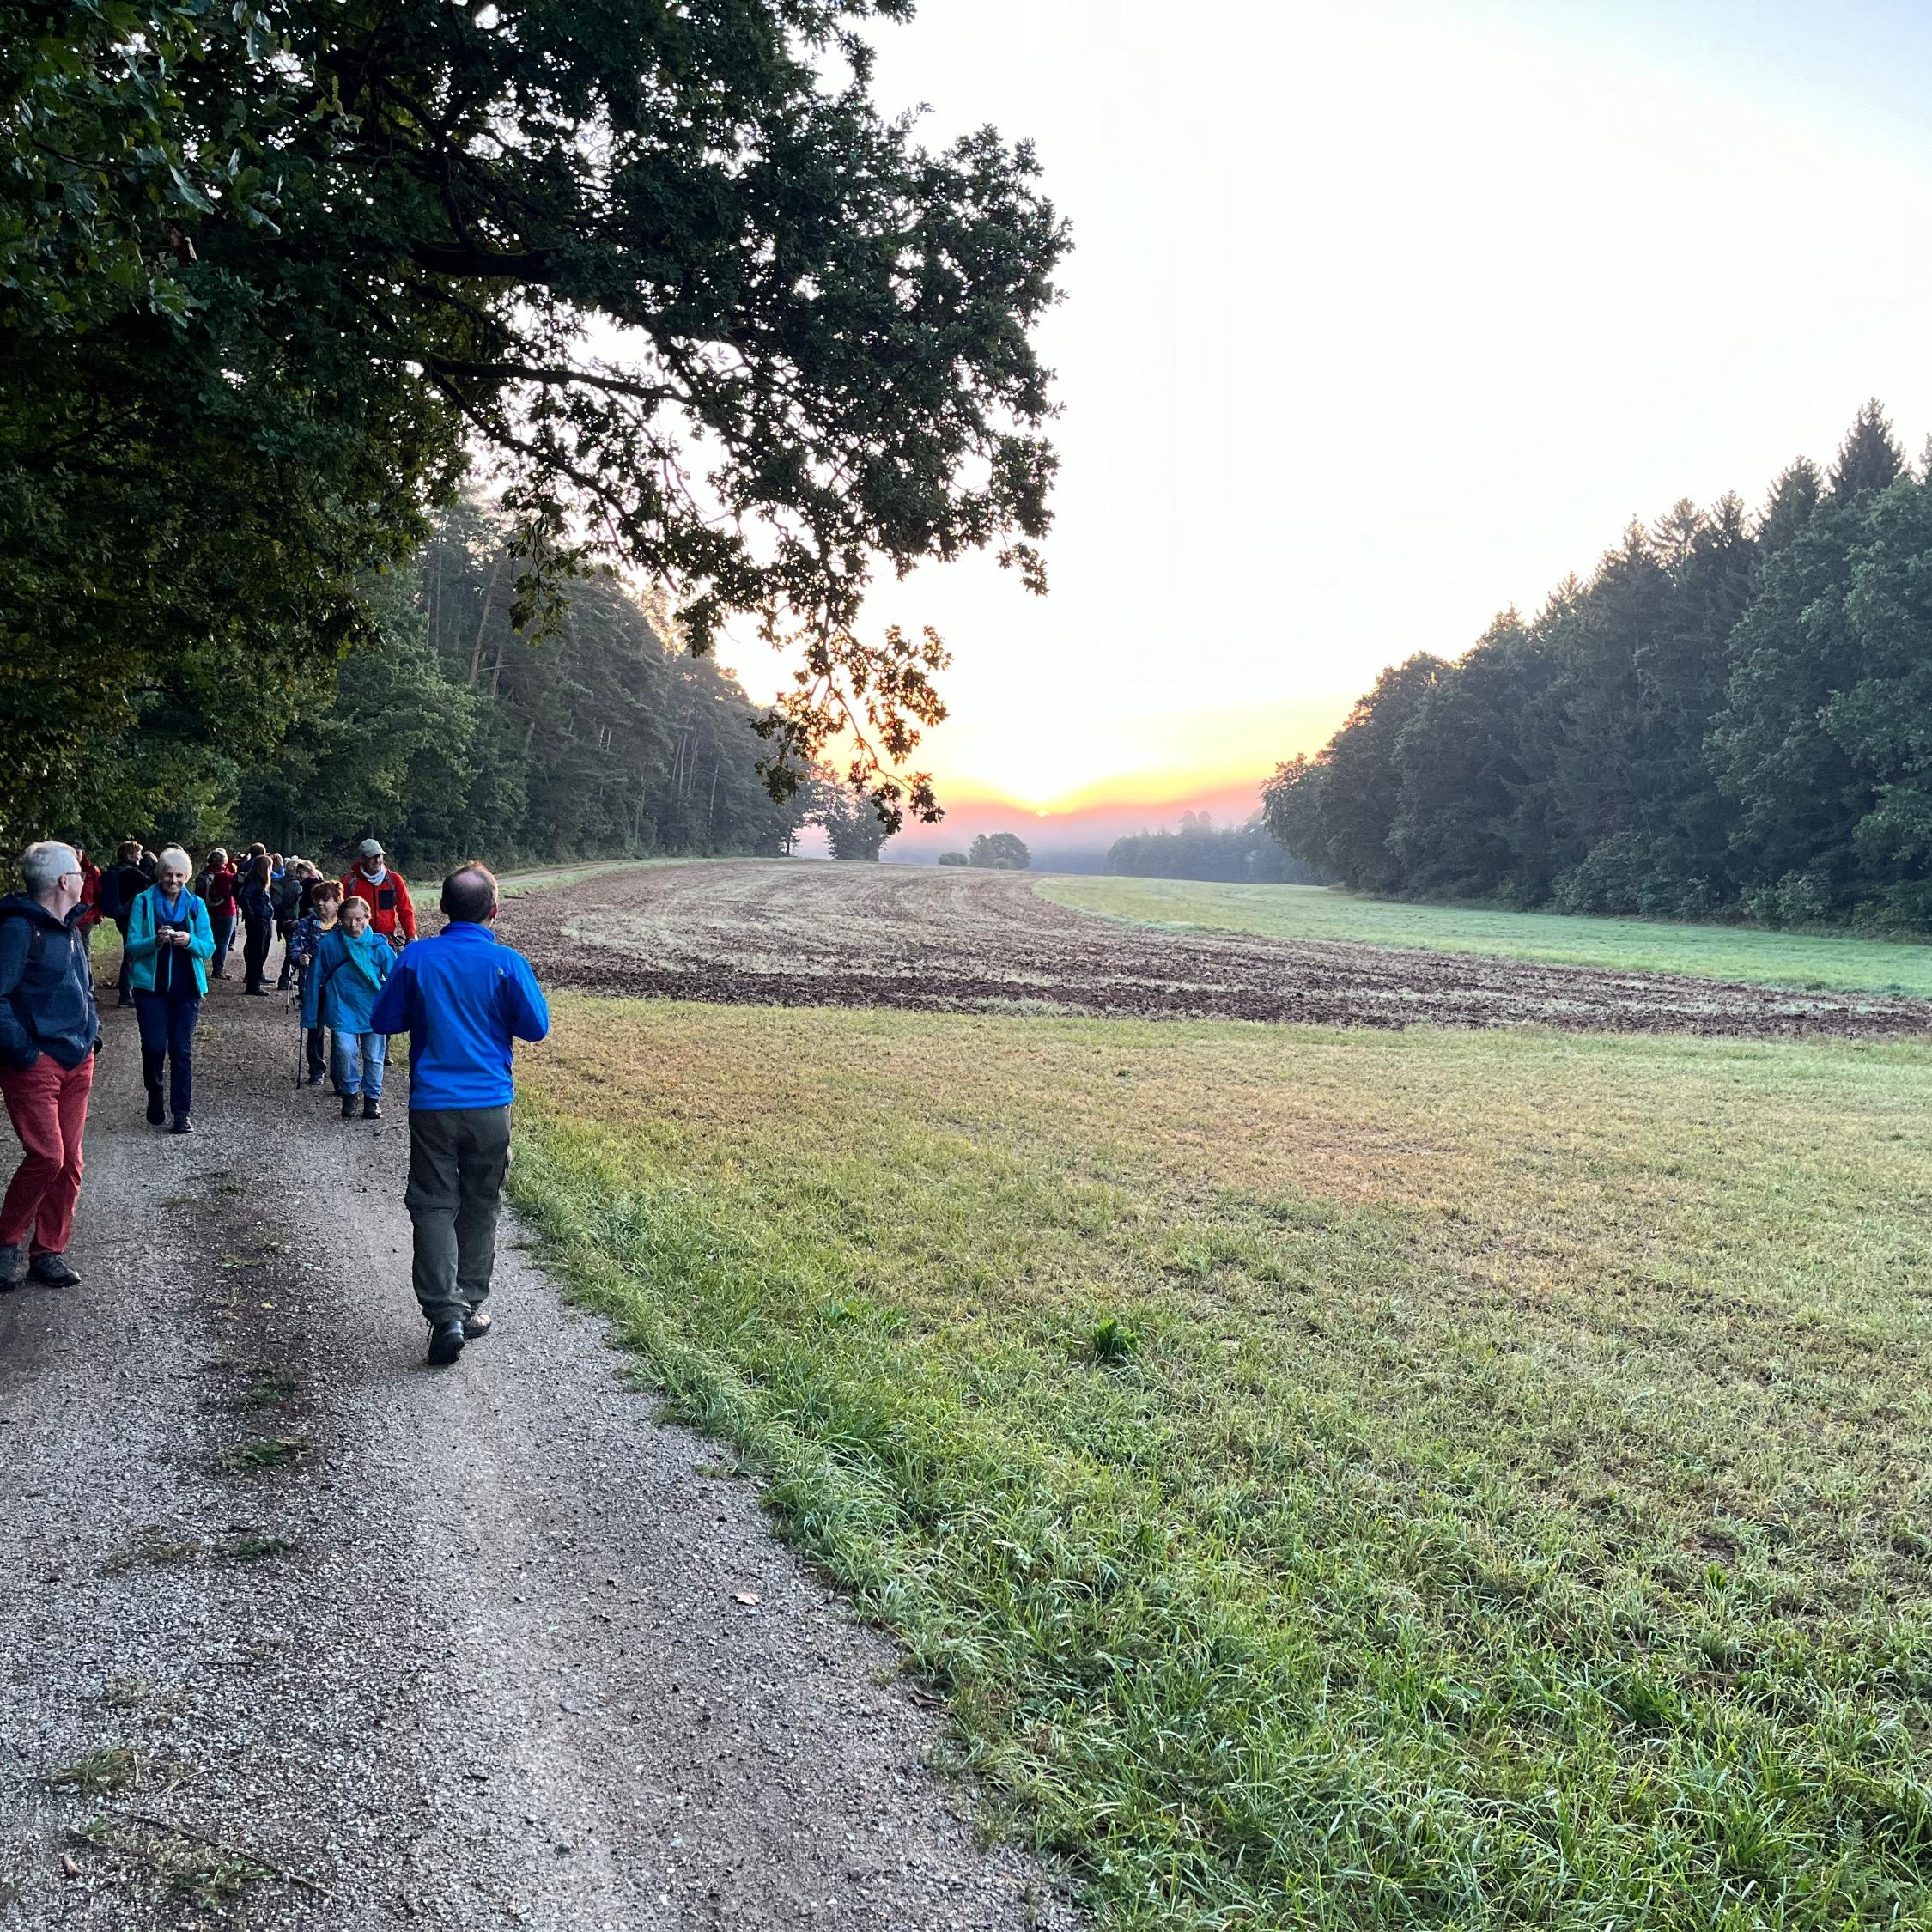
(43, 866)
(171, 857)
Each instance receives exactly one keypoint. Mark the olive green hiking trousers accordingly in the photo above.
(458, 1158)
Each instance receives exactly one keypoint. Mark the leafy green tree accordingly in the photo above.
(394, 747)
(953, 858)
(271, 270)
(851, 826)
(1000, 852)
(1291, 809)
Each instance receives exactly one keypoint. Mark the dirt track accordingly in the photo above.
(491, 1647)
(792, 933)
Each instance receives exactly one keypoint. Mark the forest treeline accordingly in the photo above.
(1733, 716)
(1198, 848)
(449, 734)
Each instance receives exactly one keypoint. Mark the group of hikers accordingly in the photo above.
(352, 949)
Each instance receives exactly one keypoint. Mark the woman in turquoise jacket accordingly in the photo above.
(351, 962)
(170, 942)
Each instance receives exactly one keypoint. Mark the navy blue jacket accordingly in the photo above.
(46, 1003)
(462, 997)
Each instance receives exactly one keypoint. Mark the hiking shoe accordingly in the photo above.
(182, 1125)
(51, 1272)
(315, 1079)
(475, 1325)
(445, 1343)
(13, 1265)
(372, 1108)
(157, 1114)
(349, 1107)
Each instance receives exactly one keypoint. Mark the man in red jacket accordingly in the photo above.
(385, 893)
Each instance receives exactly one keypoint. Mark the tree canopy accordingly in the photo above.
(446, 733)
(271, 274)
(999, 851)
(1727, 717)
(1198, 848)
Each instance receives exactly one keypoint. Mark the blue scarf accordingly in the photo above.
(174, 915)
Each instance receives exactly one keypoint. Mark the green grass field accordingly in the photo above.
(1337, 1480)
(1311, 912)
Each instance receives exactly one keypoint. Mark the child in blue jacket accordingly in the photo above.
(304, 944)
(352, 962)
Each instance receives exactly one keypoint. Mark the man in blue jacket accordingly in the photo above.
(464, 998)
(49, 1035)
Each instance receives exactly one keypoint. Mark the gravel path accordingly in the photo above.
(792, 933)
(474, 1652)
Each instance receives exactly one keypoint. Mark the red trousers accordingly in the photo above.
(47, 1104)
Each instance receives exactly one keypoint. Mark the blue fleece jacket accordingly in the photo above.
(351, 973)
(143, 946)
(462, 998)
(46, 1003)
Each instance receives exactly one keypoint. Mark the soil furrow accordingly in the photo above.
(791, 932)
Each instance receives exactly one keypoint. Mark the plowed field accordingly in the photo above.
(797, 933)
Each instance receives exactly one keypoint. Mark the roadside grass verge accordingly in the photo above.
(1337, 1480)
(1811, 961)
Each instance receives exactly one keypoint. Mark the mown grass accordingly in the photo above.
(1501, 1497)
(1820, 963)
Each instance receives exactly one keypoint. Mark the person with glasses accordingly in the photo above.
(50, 1032)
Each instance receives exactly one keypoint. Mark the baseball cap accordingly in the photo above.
(370, 848)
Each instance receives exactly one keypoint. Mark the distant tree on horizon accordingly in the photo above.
(1242, 854)
(1000, 852)
(851, 822)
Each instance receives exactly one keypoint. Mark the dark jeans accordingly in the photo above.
(167, 1020)
(318, 1051)
(255, 948)
(457, 1159)
(120, 985)
(224, 924)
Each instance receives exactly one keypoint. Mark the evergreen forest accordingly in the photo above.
(1199, 849)
(448, 732)
(1732, 717)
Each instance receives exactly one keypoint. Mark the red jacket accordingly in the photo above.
(390, 910)
(90, 893)
(217, 886)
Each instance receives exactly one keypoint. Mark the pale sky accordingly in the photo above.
(1383, 316)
